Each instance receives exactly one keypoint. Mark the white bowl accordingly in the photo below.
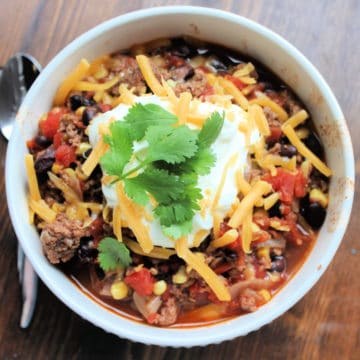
(232, 31)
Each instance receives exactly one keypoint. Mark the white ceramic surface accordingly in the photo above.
(232, 31)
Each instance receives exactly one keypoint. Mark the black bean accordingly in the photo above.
(218, 65)
(313, 213)
(314, 144)
(44, 160)
(42, 141)
(86, 250)
(88, 114)
(288, 150)
(77, 101)
(278, 263)
(274, 211)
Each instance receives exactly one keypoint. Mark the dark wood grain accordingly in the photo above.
(325, 324)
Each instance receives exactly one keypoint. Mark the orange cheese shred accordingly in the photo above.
(211, 278)
(149, 76)
(90, 163)
(130, 211)
(32, 179)
(247, 203)
(67, 85)
(305, 151)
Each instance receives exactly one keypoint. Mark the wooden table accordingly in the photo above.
(325, 323)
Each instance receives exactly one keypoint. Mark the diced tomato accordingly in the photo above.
(57, 141)
(283, 181)
(65, 155)
(32, 145)
(50, 125)
(236, 81)
(300, 184)
(275, 134)
(208, 91)
(141, 281)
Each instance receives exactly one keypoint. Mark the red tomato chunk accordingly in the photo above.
(141, 281)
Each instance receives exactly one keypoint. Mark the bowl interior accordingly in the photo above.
(234, 32)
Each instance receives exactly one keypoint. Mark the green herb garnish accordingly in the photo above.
(168, 168)
(113, 254)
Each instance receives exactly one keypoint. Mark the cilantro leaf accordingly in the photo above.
(210, 130)
(171, 144)
(201, 162)
(113, 254)
(140, 117)
(174, 213)
(121, 150)
(163, 186)
(175, 231)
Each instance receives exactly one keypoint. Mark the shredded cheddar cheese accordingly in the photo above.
(32, 179)
(69, 194)
(68, 84)
(247, 203)
(117, 223)
(88, 86)
(149, 76)
(40, 208)
(229, 163)
(229, 237)
(264, 101)
(246, 233)
(214, 281)
(305, 151)
(90, 163)
(256, 112)
(231, 89)
(156, 252)
(130, 211)
(296, 119)
(183, 107)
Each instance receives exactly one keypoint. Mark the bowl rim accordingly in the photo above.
(194, 336)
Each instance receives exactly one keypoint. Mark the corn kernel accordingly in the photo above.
(264, 252)
(180, 277)
(56, 168)
(159, 287)
(79, 111)
(317, 195)
(265, 294)
(83, 147)
(302, 133)
(119, 290)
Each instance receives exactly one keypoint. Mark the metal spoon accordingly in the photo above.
(16, 77)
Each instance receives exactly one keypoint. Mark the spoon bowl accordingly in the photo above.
(16, 77)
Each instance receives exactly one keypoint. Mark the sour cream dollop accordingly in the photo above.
(219, 188)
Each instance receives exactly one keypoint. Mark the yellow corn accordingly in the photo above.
(159, 287)
(56, 168)
(264, 252)
(79, 111)
(265, 294)
(317, 195)
(180, 277)
(119, 290)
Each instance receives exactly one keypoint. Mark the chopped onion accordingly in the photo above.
(147, 305)
(277, 243)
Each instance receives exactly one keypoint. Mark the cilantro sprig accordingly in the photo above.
(167, 168)
(113, 254)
